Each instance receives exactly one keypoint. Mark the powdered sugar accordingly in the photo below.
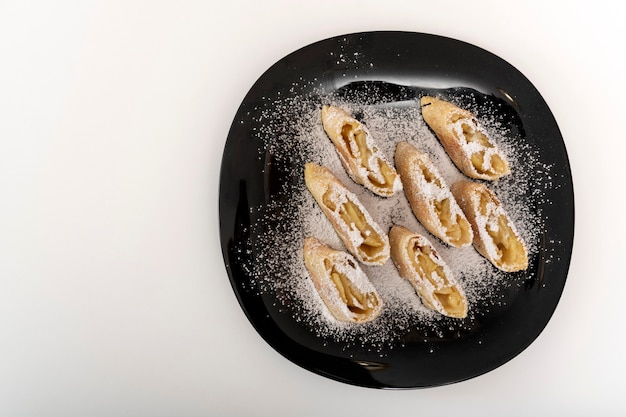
(291, 134)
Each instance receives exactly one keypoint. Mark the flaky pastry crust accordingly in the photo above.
(420, 264)
(464, 139)
(360, 156)
(430, 198)
(495, 236)
(362, 236)
(341, 283)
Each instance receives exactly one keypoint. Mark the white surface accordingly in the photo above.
(114, 300)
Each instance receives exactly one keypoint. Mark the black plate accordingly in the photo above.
(261, 191)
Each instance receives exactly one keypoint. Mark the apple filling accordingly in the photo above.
(509, 249)
(354, 217)
(352, 135)
(356, 301)
(448, 295)
(458, 230)
(484, 161)
(428, 175)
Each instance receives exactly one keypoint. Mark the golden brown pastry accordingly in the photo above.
(341, 283)
(495, 236)
(360, 233)
(464, 139)
(431, 200)
(419, 263)
(361, 158)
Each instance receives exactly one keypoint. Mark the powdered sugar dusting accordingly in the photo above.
(291, 134)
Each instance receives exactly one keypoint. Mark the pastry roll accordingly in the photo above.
(341, 283)
(464, 139)
(360, 233)
(419, 263)
(495, 236)
(360, 156)
(431, 200)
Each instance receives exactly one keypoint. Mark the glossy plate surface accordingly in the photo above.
(264, 207)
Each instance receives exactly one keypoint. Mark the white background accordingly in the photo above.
(114, 300)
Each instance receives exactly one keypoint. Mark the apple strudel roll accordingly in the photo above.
(361, 158)
(430, 197)
(464, 139)
(362, 236)
(420, 264)
(341, 283)
(495, 236)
